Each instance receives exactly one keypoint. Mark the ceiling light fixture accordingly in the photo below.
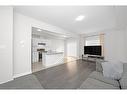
(39, 30)
(64, 36)
(80, 18)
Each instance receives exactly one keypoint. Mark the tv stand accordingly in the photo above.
(92, 57)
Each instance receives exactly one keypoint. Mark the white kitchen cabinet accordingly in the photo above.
(35, 57)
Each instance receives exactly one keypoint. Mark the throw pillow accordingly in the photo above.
(112, 69)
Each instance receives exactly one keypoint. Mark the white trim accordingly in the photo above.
(21, 74)
(6, 81)
(53, 65)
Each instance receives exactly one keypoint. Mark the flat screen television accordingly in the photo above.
(92, 50)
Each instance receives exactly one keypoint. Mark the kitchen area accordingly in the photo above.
(48, 49)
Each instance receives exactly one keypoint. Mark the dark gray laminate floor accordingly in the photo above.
(66, 76)
(25, 82)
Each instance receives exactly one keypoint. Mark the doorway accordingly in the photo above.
(47, 49)
(37, 48)
(72, 48)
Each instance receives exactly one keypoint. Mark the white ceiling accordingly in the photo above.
(46, 34)
(97, 18)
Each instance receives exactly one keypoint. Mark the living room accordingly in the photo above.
(102, 26)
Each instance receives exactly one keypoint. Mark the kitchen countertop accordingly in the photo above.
(53, 53)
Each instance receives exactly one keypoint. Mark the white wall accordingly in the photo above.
(22, 41)
(114, 45)
(6, 44)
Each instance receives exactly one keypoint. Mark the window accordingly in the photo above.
(92, 41)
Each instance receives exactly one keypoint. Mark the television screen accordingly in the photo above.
(92, 50)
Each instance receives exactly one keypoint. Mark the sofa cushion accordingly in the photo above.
(123, 80)
(91, 83)
(99, 76)
(124, 67)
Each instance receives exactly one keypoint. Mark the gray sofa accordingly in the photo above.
(96, 80)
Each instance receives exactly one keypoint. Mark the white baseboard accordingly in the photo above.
(6, 81)
(53, 65)
(22, 74)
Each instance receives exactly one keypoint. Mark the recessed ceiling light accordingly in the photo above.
(64, 36)
(38, 29)
(80, 18)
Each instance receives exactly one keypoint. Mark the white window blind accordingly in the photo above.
(92, 41)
